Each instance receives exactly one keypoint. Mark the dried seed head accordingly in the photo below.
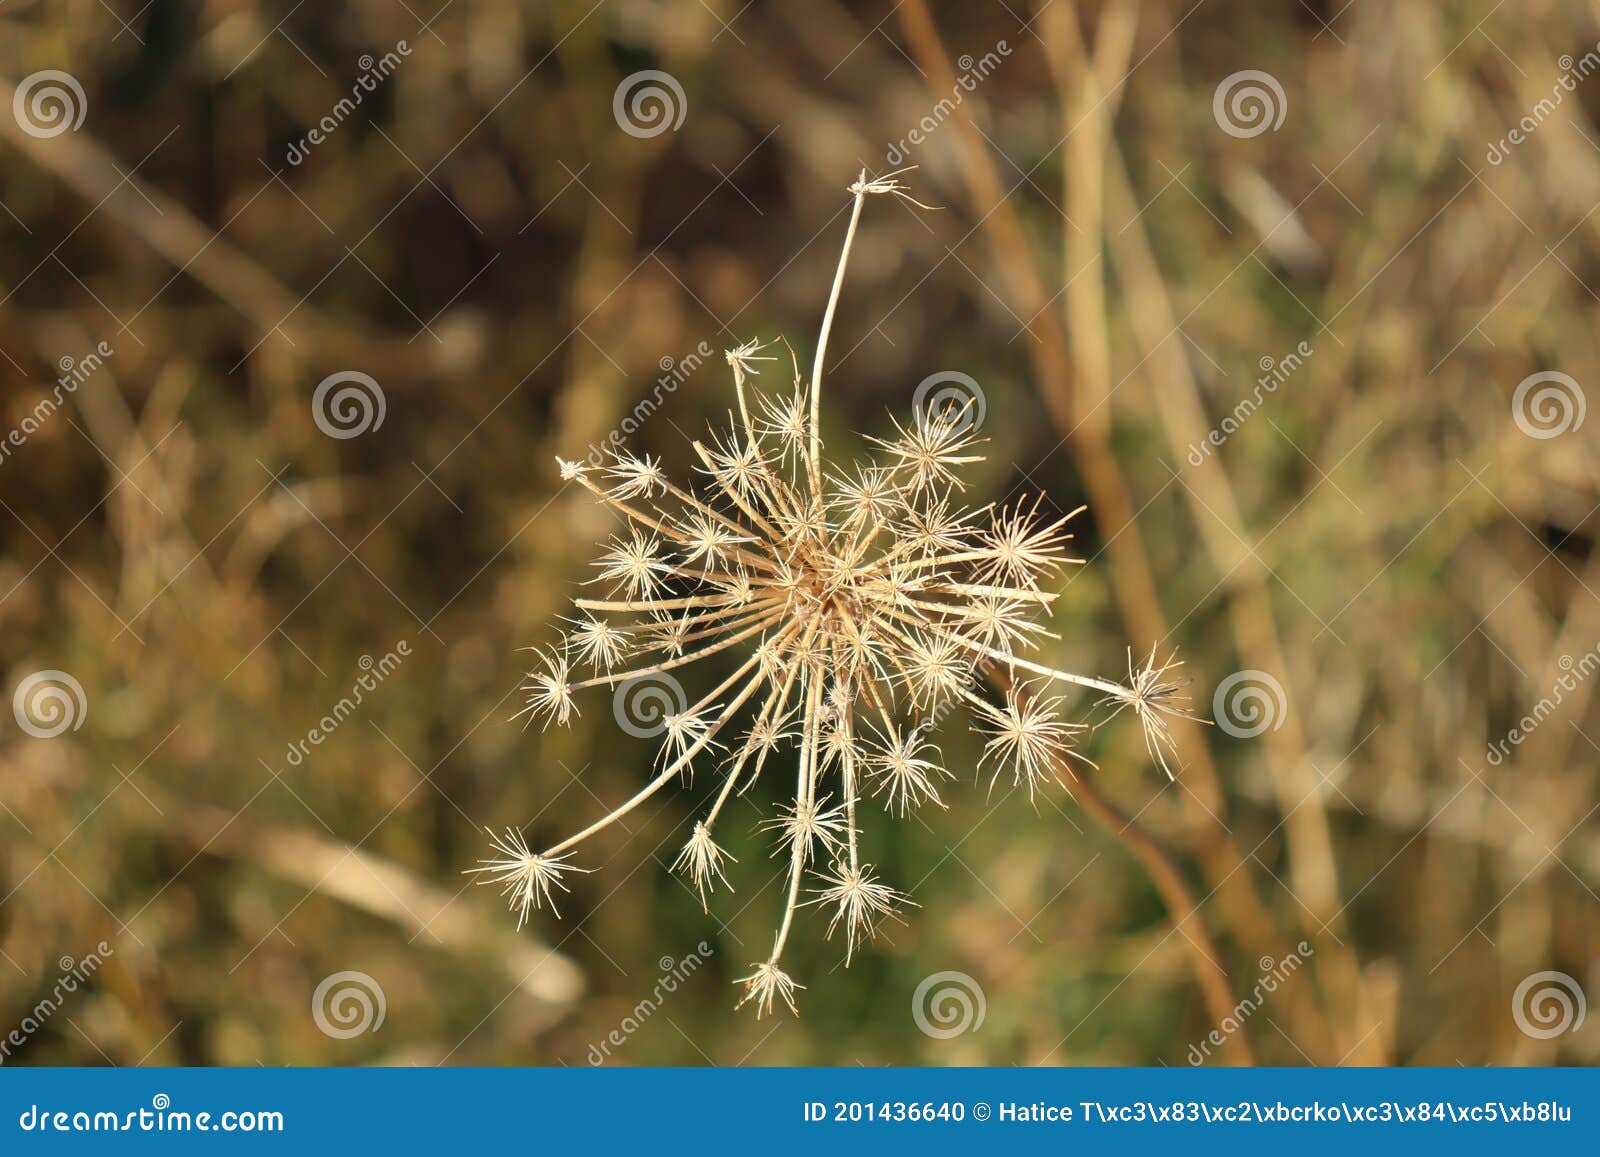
(549, 690)
(905, 779)
(1028, 737)
(525, 877)
(1155, 695)
(702, 859)
(597, 642)
(808, 825)
(765, 985)
(845, 599)
(636, 564)
(1024, 547)
(743, 358)
(859, 903)
(636, 477)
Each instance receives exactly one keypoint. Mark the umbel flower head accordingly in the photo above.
(857, 606)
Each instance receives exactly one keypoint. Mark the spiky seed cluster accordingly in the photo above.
(866, 603)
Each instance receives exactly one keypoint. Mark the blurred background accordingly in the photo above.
(1299, 297)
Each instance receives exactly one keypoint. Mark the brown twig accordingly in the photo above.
(1134, 586)
(1162, 867)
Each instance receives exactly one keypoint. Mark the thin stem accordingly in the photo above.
(666, 773)
(772, 709)
(612, 680)
(803, 796)
(822, 335)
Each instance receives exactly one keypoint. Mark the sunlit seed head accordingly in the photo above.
(867, 494)
(1005, 624)
(859, 902)
(635, 564)
(788, 422)
(1024, 547)
(635, 477)
(933, 450)
(549, 690)
(738, 465)
(684, 732)
(526, 878)
(765, 986)
(709, 541)
(743, 358)
(809, 827)
(903, 776)
(765, 734)
(1155, 695)
(702, 859)
(597, 642)
(936, 668)
(1028, 738)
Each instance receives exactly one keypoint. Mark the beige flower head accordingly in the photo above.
(853, 606)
